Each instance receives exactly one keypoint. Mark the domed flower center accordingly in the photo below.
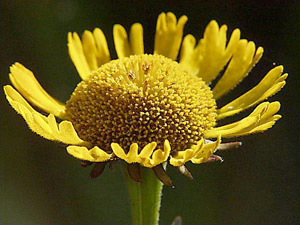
(142, 99)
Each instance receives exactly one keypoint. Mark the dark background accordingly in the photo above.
(42, 184)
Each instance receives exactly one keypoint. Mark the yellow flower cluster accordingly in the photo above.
(149, 109)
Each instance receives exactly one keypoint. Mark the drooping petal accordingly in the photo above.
(148, 150)
(159, 156)
(133, 46)
(168, 35)
(261, 119)
(90, 53)
(182, 157)
(199, 153)
(46, 127)
(243, 60)
(130, 157)
(132, 154)
(211, 54)
(92, 155)
(206, 151)
(148, 157)
(269, 85)
(25, 82)
(118, 151)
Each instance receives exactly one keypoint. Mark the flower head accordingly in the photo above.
(147, 109)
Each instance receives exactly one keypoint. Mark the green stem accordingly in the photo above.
(144, 197)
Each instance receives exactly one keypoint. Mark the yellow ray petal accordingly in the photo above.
(233, 128)
(136, 39)
(269, 85)
(93, 155)
(159, 156)
(148, 157)
(121, 41)
(25, 82)
(89, 49)
(133, 153)
(44, 126)
(265, 126)
(118, 150)
(243, 60)
(211, 54)
(130, 157)
(124, 48)
(95, 48)
(267, 120)
(89, 54)
(262, 114)
(206, 151)
(168, 35)
(198, 146)
(197, 154)
(148, 150)
(77, 55)
(182, 157)
(162, 155)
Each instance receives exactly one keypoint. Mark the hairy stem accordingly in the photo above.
(144, 197)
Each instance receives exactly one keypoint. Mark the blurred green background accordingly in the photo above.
(42, 184)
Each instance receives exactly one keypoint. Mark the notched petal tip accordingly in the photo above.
(134, 45)
(168, 36)
(212, 52)
(148, 157)
(171, 18)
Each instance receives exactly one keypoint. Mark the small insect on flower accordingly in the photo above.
(149, 109)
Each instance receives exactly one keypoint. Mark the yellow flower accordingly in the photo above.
(147, 109)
